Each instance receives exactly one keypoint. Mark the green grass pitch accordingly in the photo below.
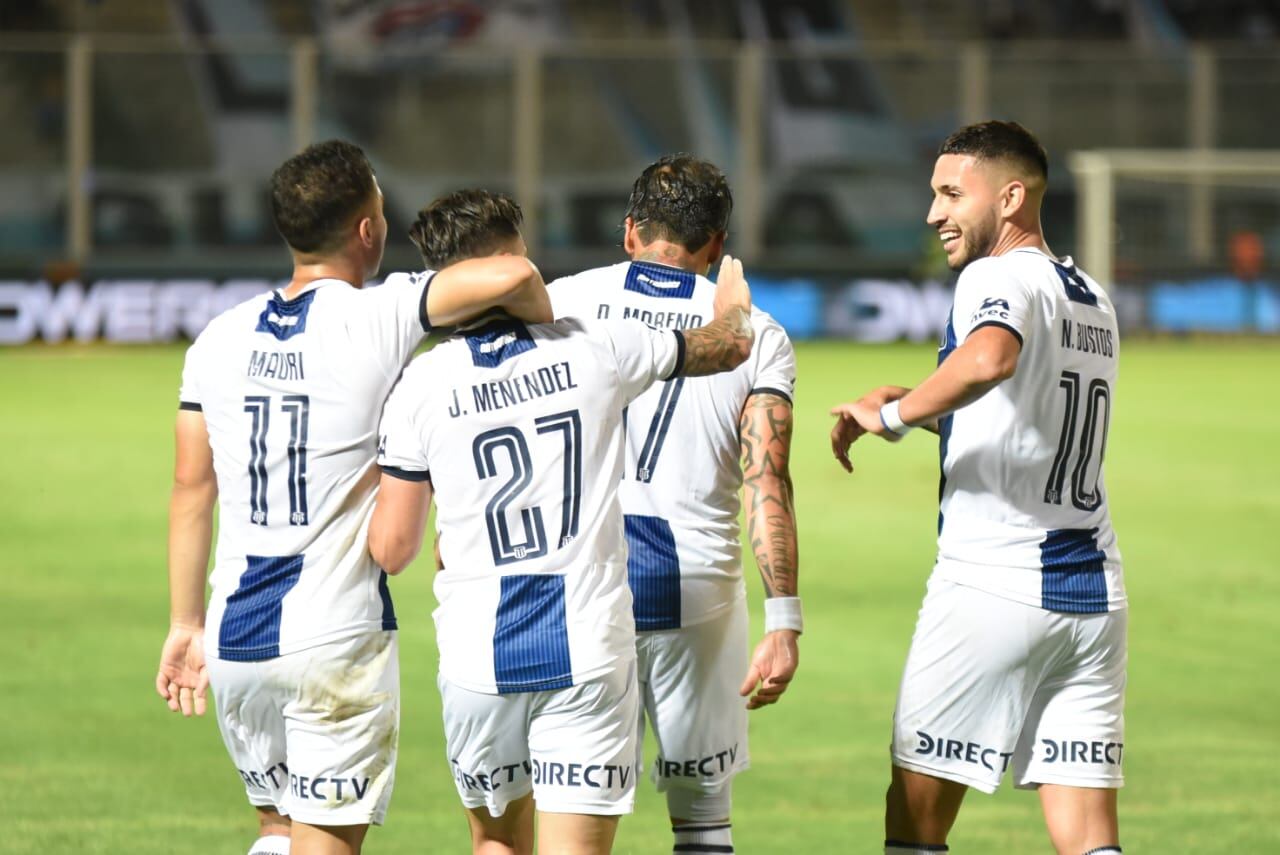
(94, 762)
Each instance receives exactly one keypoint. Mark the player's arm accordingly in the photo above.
(182, 679)
(725, 343)
(399, 520)
(988, 357)
(764, 434)
(469, 287)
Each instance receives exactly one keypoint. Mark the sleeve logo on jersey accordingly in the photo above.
(992, 307)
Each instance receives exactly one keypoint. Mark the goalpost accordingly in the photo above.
(1145, 212)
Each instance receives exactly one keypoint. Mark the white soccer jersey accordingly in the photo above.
(518, 428)
(1023, 505)
(291, 392)
(682, 477)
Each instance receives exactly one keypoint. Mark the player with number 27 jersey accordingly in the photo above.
(534, 593)
(1023, 504)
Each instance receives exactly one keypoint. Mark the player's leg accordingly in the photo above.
(700, 819)
(700, 723)
(973, 667)
(509, 834)
(273, 832)
(342, 725)
(576, 833)
(328, 839)
(582, 744)
(1081, 819)
(251, 723)
(919, 811)
(1073, 742)
(487, 746)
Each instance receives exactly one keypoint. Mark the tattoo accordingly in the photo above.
(721, 345)
(764, 431)
(668, 254)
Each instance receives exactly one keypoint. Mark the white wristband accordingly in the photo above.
(783, 613)
(892, 421)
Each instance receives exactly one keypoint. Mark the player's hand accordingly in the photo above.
(844, 434)
(183, 679)
(867, 416)
(732, 290)
(773, 665)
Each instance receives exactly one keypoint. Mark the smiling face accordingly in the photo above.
(965, 209)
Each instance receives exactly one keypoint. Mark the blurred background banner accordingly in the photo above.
(140, 136)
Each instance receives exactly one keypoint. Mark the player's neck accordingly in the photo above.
(671, 255)
(309, 270)
(1017, 237)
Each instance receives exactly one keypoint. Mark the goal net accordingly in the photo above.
(1184, 240)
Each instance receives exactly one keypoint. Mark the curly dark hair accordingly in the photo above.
(995, 140)
(682, 199)
(317, 193)
(464, 224)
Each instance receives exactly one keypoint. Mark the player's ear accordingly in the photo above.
(715, 248)
(1012, 198)
(367, 231)
(630, 238)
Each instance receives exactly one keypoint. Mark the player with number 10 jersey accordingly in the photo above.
(1022, 489)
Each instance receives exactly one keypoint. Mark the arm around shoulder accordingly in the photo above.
(469, 287)
(726, 342)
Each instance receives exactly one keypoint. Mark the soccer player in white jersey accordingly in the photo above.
(524, 451)
(1018, 659)
(680, 496)
(277, 423)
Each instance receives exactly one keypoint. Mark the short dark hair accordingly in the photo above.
(682, 199)
(463, 225)
(317, 193)
(994, 140)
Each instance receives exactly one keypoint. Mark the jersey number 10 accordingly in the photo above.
(1097, 414)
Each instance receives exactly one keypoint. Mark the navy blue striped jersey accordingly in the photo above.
(518, 428)
(1023, 499)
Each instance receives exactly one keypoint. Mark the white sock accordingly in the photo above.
(897, 847)
(1104, 850)
(272, 844)
(703, 837)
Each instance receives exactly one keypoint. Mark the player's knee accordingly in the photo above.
(700, 805)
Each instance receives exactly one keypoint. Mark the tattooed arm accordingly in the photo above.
(764, 432)
(725, 343)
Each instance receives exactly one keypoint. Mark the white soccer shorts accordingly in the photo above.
(573, 748)
(689, 681)
(314, 733)
(991, 684)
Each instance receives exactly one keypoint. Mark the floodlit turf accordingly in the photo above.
(94, 762)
